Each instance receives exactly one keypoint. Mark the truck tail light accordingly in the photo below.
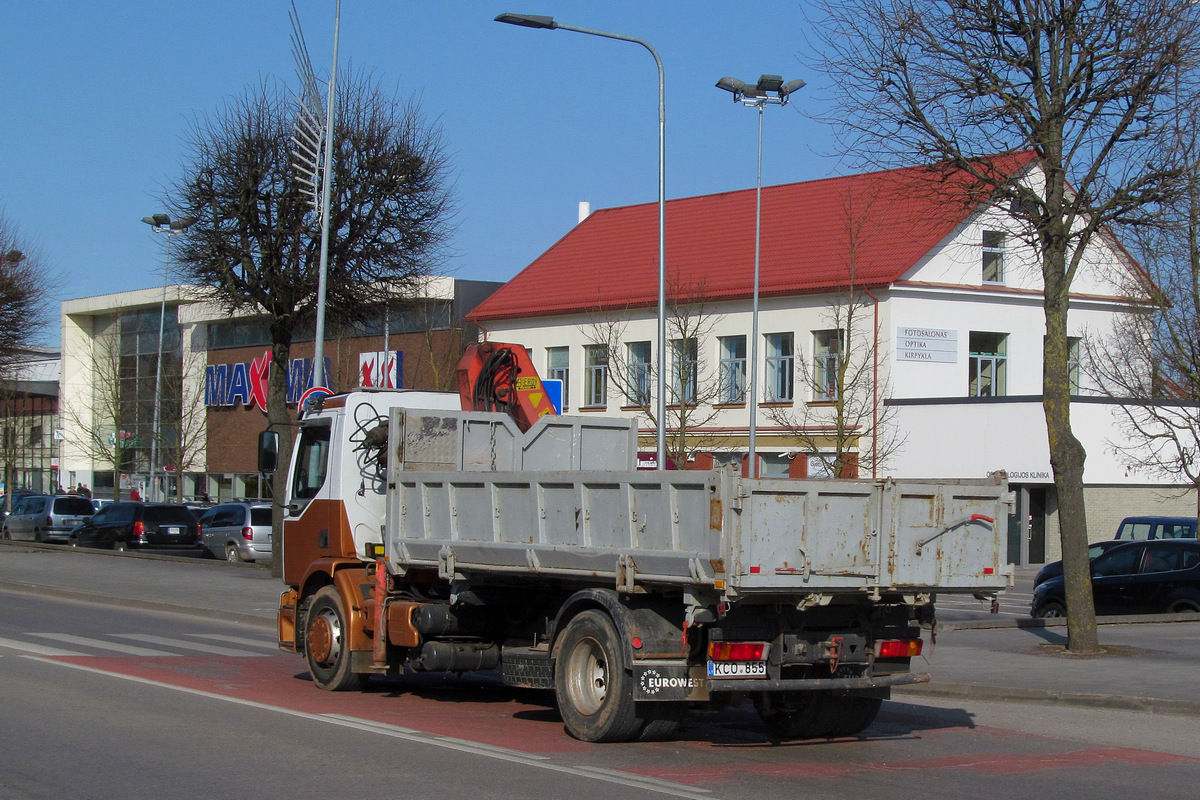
(898, 648)
(737, 651)
(247, 533)
(139, 531)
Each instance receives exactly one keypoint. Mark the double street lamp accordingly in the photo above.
(160, 223)
(770, 90)
(548, 23)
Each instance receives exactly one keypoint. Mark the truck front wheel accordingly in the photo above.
(326, 643)
(592, 682)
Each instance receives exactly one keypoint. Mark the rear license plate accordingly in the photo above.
(172, 531)
(737, 669)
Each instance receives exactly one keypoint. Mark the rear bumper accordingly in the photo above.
(815, 684)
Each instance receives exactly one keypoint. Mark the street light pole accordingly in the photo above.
(159, 223)
(548, 23)
(757, 97)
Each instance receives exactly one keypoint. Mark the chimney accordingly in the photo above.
(585, 210)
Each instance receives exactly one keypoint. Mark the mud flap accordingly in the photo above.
(658, 681)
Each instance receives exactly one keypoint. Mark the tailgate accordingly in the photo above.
(848, 535)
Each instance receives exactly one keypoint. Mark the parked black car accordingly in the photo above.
(1147, 577)
(1055, 568)
(143, 526)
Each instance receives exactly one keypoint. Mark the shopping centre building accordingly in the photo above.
(202, 383)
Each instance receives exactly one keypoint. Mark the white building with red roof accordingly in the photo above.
(897, 300)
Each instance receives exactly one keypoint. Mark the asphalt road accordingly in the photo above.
(102, 702)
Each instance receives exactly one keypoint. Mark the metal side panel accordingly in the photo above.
(610, 526)
(808, 535)
(944, 536)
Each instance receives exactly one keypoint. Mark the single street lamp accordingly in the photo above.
(159, 223)
(548, 23)
(757, 96)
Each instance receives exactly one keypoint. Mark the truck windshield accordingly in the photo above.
(312, 461)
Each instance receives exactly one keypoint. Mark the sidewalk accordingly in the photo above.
(1155, 670)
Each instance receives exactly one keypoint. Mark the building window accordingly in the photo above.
(780, 367)
(558, 368)
(774, 465)
(733, 369)
(989, 364)
(595, 375)
(638, 354)
(827, 354)
(993, 257)
(1073, 345)
(685, 369)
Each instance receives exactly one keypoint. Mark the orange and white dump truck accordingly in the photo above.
(422, 536)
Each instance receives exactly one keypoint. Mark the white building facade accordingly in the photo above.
(946, 341)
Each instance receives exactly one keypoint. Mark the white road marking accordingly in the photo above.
(127, 649)
(211, 649)
(532, 760)
(39, 649)
(219, 637)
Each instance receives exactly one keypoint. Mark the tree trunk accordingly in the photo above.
(1067, 460)
(279, 420)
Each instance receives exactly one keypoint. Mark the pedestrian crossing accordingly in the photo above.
(1013, 603)
(140, 645)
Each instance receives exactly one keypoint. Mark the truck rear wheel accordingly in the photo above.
(326, 643)
(816, 715)
(794, 715)
(852, 714)
(592, 682)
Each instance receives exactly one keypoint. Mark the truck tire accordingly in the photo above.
(797, 715)
(852, 715)
(326, 643)
(662, 721)
(592, 682)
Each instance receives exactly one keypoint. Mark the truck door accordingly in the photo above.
(310, 532)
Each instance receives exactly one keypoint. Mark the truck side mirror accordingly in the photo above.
(268, 451)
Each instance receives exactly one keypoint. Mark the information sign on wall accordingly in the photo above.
(926, 344)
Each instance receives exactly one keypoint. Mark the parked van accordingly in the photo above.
(237, 531)
(1144, 528)
(42, 517)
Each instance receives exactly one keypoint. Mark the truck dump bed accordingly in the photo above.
(491, 504)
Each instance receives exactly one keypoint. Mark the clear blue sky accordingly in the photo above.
(97, 96)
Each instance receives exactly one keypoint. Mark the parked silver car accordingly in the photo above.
(237, 531)
(42, 517)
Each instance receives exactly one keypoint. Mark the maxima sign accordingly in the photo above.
(246, 383)
(926, 344)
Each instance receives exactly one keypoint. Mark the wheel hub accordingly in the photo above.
(589, 676)
(321, 638)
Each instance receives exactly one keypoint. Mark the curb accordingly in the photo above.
(1032, 623)
(995, 694)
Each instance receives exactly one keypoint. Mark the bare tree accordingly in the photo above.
(1084, 85)
(97, 420)
(255, 243)
(25, 286)
(183, 430)
(693, 389)
(1151, 363)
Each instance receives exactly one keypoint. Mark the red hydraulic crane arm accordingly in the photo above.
(493, 376)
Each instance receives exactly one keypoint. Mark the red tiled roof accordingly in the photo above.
(814, 236)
